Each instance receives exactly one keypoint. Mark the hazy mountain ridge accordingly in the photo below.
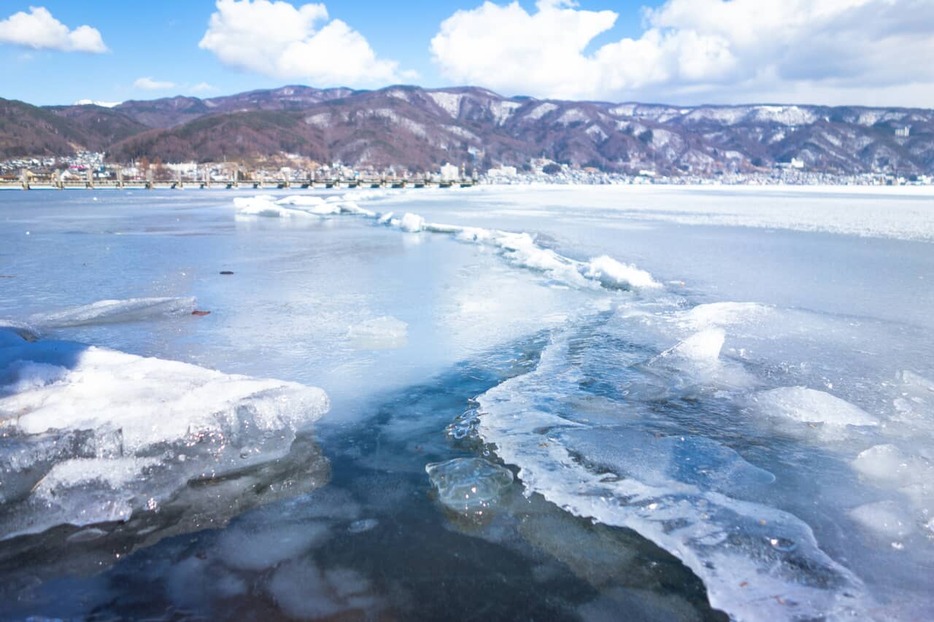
(26, 130)
(419, 129)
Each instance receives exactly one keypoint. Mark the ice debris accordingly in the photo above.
(468, 485)
(812, 406)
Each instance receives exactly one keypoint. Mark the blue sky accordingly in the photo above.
(860, 52)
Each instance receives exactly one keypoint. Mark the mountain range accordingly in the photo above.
(419, 129)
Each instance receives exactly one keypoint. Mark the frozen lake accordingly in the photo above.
(581, 403)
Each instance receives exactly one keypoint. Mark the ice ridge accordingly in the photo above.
(520, 249)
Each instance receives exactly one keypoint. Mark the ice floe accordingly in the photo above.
(93, 434)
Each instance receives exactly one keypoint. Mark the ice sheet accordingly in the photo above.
(743, 375)
(688, 494)
(694, 388)
(864, 211)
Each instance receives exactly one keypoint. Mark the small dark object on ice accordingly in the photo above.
(225, 272)
(199, 313)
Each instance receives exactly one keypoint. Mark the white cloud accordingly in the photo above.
(840, 51)
(148, 84)
(276, 39)
(38, 29)
(203, 87)
(508, 48)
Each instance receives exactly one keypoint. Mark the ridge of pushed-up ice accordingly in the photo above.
(520, 249)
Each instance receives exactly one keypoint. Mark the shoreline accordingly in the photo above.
(523, 183)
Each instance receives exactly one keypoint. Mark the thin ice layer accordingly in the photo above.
(113, 311)
(96, 434)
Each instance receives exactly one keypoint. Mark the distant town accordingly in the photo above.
(91, 170)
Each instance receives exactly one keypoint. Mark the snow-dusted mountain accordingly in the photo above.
(416, 128)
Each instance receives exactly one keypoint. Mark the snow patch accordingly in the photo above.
(461, 132)
(504, 110)
(321, 119)
(449, 102)
(596, 132)
(540, 111)
(784, 115)
(572, 115)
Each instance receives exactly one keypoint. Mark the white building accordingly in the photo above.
(449, 172)
(503, 172)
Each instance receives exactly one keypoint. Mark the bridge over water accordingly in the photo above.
(57, 181)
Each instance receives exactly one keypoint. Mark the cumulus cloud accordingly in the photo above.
(149, 84)
(38, 29)
(509, 48)
(848, 51)
(276, 39)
